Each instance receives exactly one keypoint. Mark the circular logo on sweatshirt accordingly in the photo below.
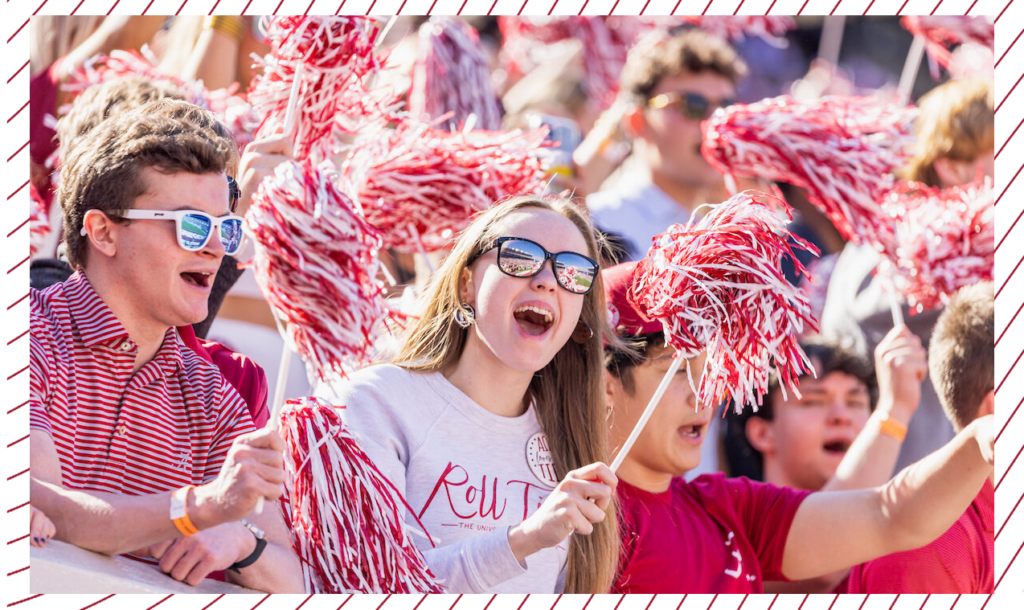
(538, 456)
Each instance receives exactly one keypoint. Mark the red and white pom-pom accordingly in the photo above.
(119, 64)
(231, 109)
(347, 528)
(945, 240)
(421, 186)
(38, 222)
(972, 61)
(716, 284)
(451, 74)
(333, 59)
(316, 264)
(771, 29)
(843, 151)
(943, 31)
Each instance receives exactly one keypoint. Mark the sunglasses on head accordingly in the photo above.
(690, 105)
(523, 258)
(195, 228)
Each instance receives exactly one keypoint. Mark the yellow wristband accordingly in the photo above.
(893, 428)
(229, 25)
(179, 511)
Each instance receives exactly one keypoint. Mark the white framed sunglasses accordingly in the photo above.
(195, 228)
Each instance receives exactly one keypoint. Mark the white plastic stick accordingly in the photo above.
(910, 69)
(639, 427)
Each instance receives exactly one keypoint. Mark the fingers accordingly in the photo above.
(594, 494)
(157, 550)
(177, 550)
(41, 529)
(266, 438)
(268, 457)
(186, 563)
(597, 470)
(201, 571)
(274, 145)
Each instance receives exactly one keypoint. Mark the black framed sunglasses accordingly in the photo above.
(234, 193)
(519, 257)
(690, 105)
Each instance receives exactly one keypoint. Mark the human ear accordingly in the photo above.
(101, 232)
(760, 435)
(466, 288)
(988, 404)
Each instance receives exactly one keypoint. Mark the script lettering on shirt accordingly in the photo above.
(739, 558)
(487, 500)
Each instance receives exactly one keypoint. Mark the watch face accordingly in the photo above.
(256, 531)
(538, 456)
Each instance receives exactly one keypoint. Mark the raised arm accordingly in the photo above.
(835, 530)
(901, 364)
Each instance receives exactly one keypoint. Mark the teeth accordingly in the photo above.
(537, 310)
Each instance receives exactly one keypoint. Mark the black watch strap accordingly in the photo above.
(261, 543)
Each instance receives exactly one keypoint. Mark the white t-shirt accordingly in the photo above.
(469, 474)
(636, 210)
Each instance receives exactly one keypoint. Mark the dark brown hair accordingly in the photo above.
(681, 50)
(102, 169)
(961, 353)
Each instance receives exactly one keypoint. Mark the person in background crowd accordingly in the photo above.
(955, 129)
(174, 472)
(673, 81)
(504, 369)
(961, 362)
(722, 535)
(843, 432)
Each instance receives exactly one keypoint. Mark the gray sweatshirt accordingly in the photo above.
(468, 473)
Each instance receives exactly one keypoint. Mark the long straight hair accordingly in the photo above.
(568, 392)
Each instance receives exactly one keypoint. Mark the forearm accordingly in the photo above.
(208, 62)
(926, 498)
(103, 522)
(871, 459)
(821, 584)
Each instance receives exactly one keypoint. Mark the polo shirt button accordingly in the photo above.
(125, 346)
(122, 429)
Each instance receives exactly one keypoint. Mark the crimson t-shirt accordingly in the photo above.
(711, 535)
(959, 561)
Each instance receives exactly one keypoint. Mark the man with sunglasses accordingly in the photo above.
(674, 81)
(138, 444)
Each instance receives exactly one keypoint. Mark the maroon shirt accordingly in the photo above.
(959, 561)
(712, 535)
(239, 370)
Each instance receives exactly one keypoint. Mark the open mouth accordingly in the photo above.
(693, 431)
(534, 321)
(837, 447)
(199, 279)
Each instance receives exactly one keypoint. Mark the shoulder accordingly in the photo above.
(377, 382)
(385, 392)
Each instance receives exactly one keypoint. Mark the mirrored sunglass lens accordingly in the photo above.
(575, 273)
(195, 231)
(231, 235)
(520, 258)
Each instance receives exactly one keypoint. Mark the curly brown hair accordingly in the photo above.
(681, 50)
(102, 169)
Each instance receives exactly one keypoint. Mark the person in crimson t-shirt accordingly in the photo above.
(722, 535)
(962, 367)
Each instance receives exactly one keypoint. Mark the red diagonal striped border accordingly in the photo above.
(1010, 295)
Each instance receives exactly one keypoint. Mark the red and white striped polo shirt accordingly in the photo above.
(168, 425)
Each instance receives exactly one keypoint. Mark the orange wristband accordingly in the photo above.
(893, 428)
(179, 511)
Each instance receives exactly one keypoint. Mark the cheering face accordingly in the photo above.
(168, 285)
(523, 322)
(674, 129)
(670, 443)
(808, 437)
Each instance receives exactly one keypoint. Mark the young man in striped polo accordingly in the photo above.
(138, 445)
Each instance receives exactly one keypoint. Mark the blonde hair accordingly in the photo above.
(568, 392)
(54, 36)
(957, 122)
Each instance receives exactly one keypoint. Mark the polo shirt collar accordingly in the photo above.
(98, 325)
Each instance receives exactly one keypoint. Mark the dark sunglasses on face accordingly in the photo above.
(689, 105)
(523, 258)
